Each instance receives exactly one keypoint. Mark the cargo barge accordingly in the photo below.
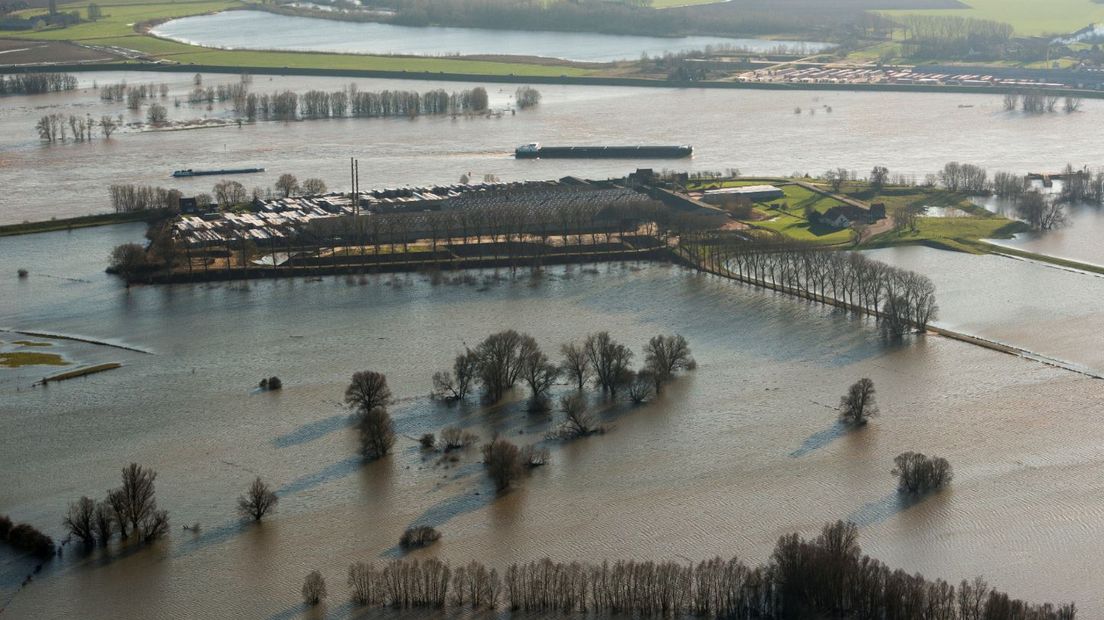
(202, 173)
(534, 150)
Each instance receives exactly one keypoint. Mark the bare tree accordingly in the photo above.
(540, 374)
(500, 358)
(138, 501)
(575, 364)
(878, 177)
(258, 501)
(368, 391)
(578, 420)
(503, 462)
(103, 521)
(230, 193)
(642, 386)
(288, 184)
(1039, 212)
(107, 126)
(455, 385)
(80, 521)
(128, 260)
(665, 355)
(377, 433)
(314, 588)
(609, 360)
(858, 404)
(313, 187)
(419, 536)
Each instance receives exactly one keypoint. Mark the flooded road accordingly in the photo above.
(735, 454)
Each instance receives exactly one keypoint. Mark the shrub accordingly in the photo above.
(272, 383)
(26, 538)
(22, 274)
(428, 441)
(454, 438)
(532, 456)
(918, 474)
(5, 527)
(419, 536)
(314, 588)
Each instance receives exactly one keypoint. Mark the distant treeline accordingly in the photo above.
(36, 83)
(353, 103)
(617, 17)
(826, 577)
(128, 198)
(937, 36)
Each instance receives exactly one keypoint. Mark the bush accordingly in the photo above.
(454, 438)
(271, 383)
(419, 536)
(918, 474)
(22, 274)
(26, 538)
(428, 441)
(314, 588)
(5, 527)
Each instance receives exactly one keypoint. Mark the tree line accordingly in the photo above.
(314, 104)
(26, 538)
(130, 509)
(129, 198)
(36, 83)
(945, 36)
(902, 300)
(826, 576)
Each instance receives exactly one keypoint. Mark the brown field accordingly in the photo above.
(25, 52)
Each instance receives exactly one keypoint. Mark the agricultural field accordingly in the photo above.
(1028, 17)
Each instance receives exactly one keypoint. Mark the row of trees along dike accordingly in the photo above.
(824, 577)
(900, 299)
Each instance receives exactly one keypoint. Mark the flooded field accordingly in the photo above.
(735, 454)
(754, 131)
(259, 30)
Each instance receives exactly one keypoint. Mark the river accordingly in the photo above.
(269, 31)
(735, 454)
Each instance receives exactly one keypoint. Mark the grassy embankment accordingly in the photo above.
(122, 19)
(17, 359)
(71, 223)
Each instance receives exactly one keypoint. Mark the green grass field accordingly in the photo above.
(116, 29)
(798, 228)
(1029, 17)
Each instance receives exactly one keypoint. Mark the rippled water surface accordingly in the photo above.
(259, 30)
(735, 454)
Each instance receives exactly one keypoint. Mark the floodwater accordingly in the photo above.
(268, 31)
(735, 454)
(756, 132)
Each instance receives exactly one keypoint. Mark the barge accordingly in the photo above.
(202, 173)
(535, 150)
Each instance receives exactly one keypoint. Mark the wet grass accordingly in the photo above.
(18, 359)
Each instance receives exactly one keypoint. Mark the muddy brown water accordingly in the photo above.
(735, 454)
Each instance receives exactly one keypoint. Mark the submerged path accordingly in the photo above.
(83, 339)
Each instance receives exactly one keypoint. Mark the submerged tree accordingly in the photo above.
(368, 390)
(314, 588)
(80, 521)
(575, 364)
(609, 360)
(377, 434)
(918, 474)
(503, 462)
(858, 404)
(258, 501)
(664, 356)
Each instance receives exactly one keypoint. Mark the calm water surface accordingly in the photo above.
(268, 31)
(734, 455)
